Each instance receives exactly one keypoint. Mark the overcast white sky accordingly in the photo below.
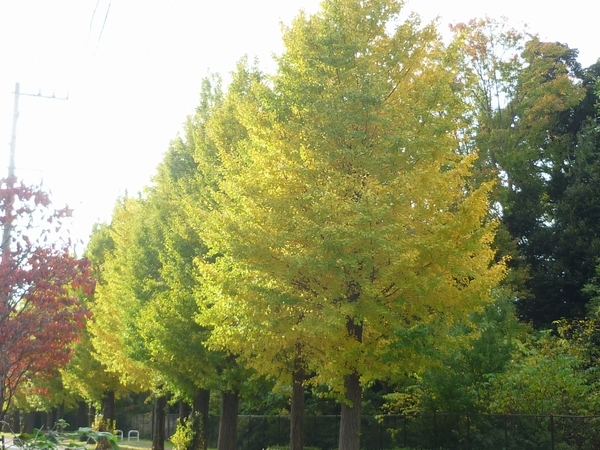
(132, 70)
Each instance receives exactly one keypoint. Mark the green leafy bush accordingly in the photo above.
(189, 434)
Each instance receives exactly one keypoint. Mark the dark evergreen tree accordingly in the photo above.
(562, 239)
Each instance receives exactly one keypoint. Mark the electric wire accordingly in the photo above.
(102, 29)
(92, 21)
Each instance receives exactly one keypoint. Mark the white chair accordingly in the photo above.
(133, 434)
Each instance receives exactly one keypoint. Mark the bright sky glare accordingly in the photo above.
(132, 70)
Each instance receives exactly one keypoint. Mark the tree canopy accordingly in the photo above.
(388, 219)
(344, 213)
(40, 311)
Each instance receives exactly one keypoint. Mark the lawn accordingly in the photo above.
(123, 445)
(142, 443)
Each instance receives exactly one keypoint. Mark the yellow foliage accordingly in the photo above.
(347, 201)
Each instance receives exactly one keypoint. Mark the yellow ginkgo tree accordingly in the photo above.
(343, 215)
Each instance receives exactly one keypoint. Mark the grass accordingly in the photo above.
(142, 443)
(124, 444)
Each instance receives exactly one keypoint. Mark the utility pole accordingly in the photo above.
(13, 136)
(10, 181)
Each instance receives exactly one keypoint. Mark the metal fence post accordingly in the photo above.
(264, 435)
(434, 430)
(249, 433)
(279, 429)
(152, 425)
(337, 434)
(505, 432)
(551, 431)
(404, 430)
(468, 433)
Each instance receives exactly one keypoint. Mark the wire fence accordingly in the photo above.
(419, 431)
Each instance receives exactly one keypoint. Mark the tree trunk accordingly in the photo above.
(184, 411)
(350, 415)
(158, 435)
(50, 419)
(91, 414)
(297, 410)
(60, 414)
(16, 422)
(200, 410)
(228, 421)
(106, 423)
(29, 422)
(108, 407)
(81, 419)
(3, 406)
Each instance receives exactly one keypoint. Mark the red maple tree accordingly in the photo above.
(40, 286)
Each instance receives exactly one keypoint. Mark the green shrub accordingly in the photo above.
(189, 434)
(183, 436)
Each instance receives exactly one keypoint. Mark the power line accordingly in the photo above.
(92, 21)
(102, 29)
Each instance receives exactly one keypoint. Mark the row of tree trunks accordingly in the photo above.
(26, 422)
(53, 416)
(349, 433)
(199, 414)
(227, 425)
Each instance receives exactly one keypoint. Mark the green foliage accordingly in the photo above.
(118, 298)
(102, 424)
(87, 377)
(544, 377)
(535, 127)
(183, 436)
(337, 216)
(342, 206)
(456, 380)
(189, 435)
(102, 431)
(56, 438)
(43, 394)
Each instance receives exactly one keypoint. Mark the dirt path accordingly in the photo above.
(7, 444)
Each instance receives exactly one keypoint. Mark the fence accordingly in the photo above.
(422, 431)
